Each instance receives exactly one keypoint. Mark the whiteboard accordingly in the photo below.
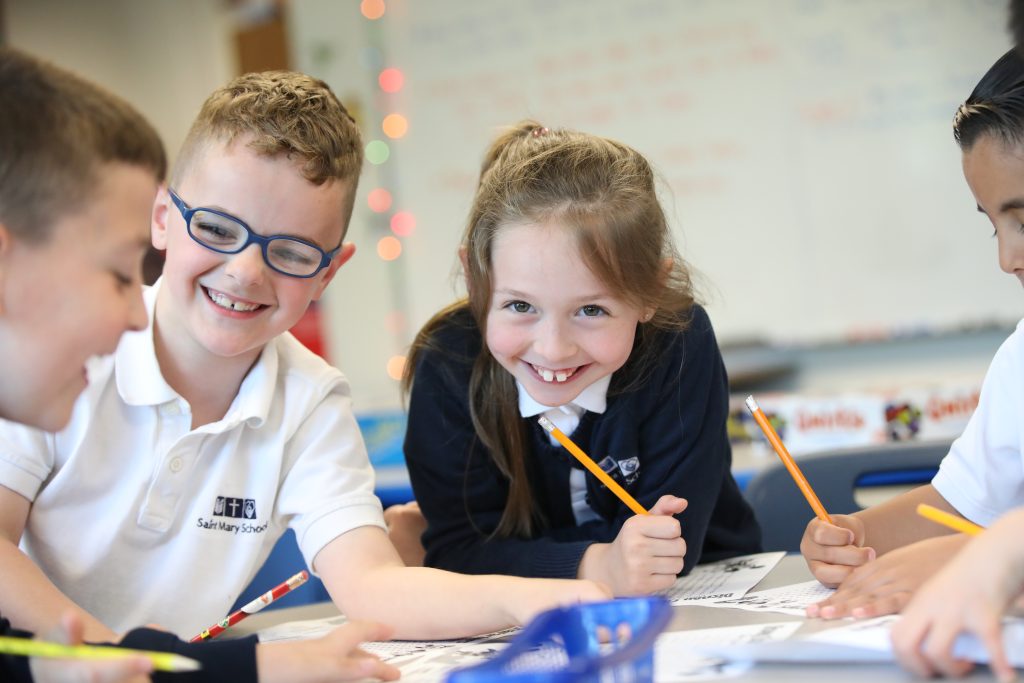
(805, 146)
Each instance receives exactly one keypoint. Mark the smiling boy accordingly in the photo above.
(215, 412)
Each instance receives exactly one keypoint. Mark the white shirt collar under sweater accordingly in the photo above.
(567, 417)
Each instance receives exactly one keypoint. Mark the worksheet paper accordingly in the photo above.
(862, 641)
(720, 580)
(792, 599)
(678, 655)
(420, 661)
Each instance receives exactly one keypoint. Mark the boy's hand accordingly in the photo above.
(645, 557)
(69, 632)
(406, 525)
(834, 550)
(887, 584)
(970, 594)
(335, 657)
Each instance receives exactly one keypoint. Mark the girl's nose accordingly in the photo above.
(553, 344)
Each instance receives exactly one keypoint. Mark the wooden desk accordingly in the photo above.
(791, 569)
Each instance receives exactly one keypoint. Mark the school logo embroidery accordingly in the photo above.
(233, 508)
(239, 508)
(629, 467)
(623, 471)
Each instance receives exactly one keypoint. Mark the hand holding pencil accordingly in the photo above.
(831, 543)
(648, 551)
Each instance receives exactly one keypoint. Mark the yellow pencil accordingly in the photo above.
(773, 438)
(162, 661)
(612, 485)
(952, 521)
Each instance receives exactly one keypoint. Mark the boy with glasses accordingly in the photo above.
(207, 434)
(79, 168)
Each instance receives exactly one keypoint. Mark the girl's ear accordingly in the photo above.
(464, 260)
(666, 270)
(158, 222)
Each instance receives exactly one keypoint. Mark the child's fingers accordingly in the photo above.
(349, 636)
(825, 534)
(655, 526)
(991, 636)
(669, 505)
(938, 650)
(907, 636)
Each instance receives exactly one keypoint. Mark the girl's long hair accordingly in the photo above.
(604, 193)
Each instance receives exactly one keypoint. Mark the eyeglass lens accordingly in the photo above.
(225, 235)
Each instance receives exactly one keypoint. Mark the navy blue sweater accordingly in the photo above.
(669, 427)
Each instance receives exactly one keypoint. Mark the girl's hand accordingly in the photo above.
(335, 657)
(645, 557)
(406, 525)
(69, 632)
(834, 550)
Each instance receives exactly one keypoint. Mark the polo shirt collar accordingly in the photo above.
(594, 398)
(140, 382)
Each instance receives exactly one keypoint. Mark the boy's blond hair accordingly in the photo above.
(56, 131)
(280, 113)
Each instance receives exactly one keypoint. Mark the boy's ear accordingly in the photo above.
(158, 222)
(6, 243)
(347, 251)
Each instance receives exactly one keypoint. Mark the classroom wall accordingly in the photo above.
(804, 144)
(164, 56)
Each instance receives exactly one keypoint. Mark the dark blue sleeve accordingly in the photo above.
(12, 668)
(221, 660)
(683, 438)
(674, 423)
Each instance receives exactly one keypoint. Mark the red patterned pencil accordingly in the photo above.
(253, 607)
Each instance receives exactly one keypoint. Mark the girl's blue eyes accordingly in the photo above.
(519, 306)
(588, 311)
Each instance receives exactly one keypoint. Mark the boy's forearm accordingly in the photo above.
(31, 601)
(422, 603)
(895, 523)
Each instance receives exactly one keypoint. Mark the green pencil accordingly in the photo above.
(162, 661)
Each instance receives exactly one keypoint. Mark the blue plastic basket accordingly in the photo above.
(572, 644)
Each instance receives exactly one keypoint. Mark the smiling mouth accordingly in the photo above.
(228, 303)
(554, 376)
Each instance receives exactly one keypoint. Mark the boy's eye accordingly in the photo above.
(519, 306)
(592, 311)
(122, 279)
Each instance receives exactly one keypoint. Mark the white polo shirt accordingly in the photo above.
(140, 519)
(983, 474)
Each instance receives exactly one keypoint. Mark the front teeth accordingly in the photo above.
(230, 304)
(554, 375)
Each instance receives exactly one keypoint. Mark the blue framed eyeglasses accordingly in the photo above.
(225, 234)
